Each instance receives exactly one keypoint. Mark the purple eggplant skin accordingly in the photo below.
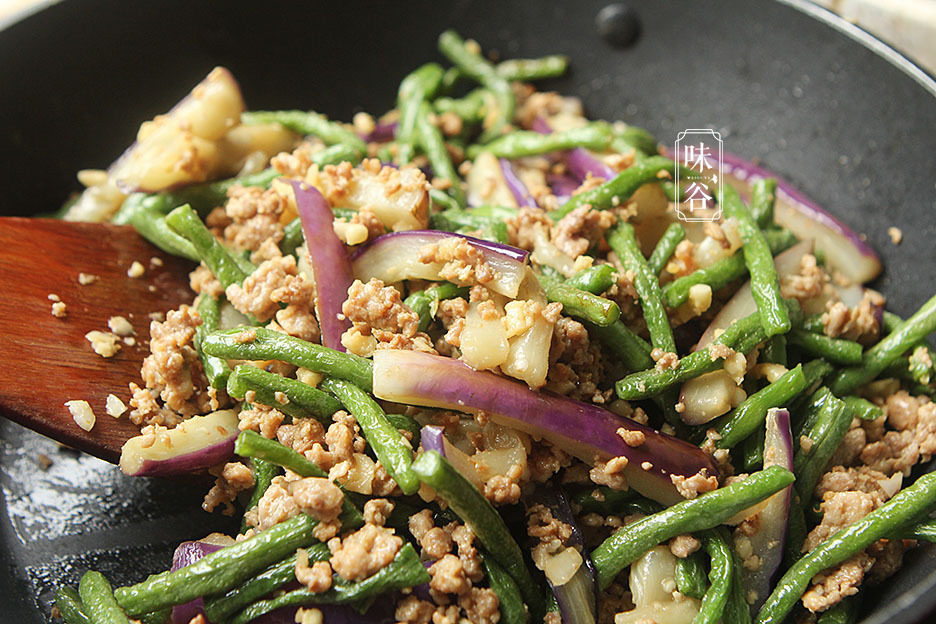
(186, 554)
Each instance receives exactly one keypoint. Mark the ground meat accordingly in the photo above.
(264, 420)
(256, 296)
(297, 163)
(576, 364)
(461, 262)
(380, 319)
(610, 473)
(235, 477)
(297, 318)
(527, 227)
(545, 104)
(582, 229)
(448, 576)
(146, 410)
(861, 479)
(318, 577)
(551, 533)
(481, 605)
(682, 263)
(343, 439)
(502, 490)
(370, 221)
(412, 610)
(317, 497)
(377, 510)
(691, 487)
(806, 284)
(467, 553)
(364, 552)
(545, 459)
(254, 213)
(859, 323)
(435, 541)
(172, 368)
(914, 437)
(832, 586)
(851, 446)
(684, 545)
(276, 505)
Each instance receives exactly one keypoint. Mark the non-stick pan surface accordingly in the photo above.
(845, 124)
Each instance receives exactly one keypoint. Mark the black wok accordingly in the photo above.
(847, 121)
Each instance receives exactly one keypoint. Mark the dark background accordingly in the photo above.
(845, 125)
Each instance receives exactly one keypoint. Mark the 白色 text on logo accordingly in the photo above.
(698, 174)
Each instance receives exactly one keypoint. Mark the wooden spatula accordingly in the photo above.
(46, 361)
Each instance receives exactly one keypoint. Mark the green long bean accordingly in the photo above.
(97, 597)
(216, 369)
(834, 350)
(828, 427)
(691, 579)
(145, 214)
(623, 241)
(69, 605)
(688, 516)
(748, 417)
(520, 143)
(528, 70)
(406, 570)
(721, 576)
(479, 515)
(722, 272)
(471, 108)
(259, 343)
(290, 396)
(583, 305)
(460, 220)
(665, 247)
(877, 358)
(419, 86)
(219, 607)
(763, 198)
(263, 473)
(309, 123)
(618, 189)
(862, 408)
(479, 69)
(765, 285)
(430, 139)
(226, 266)
(387, 442)
(512, 609)
(906, 505)
(425, 303)
(594, 280)
(632, 350)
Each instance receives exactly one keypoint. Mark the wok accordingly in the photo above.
(844, 118)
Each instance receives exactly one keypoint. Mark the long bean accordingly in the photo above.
(425, 303)
(628, 138)
(623, 241)
(259, 343)
(722, 272)
(595, 136)
(906, 505)
(309, 123)
(833, 349)
(748, 417)
(829, 426)
(406, 570)
(876, 359)
(145, 214)
(742, 335)
(420, 85)
(290, 396)
(618, 189)
(691, 579)
(471, 108)
(216, 369)
(844, 612)
(334, 154)
(512, 609)
(763, 198)
(665, 247)
(225, 266)
(205, 197)
(721, 575)
(69, 605)
(253, 445)
(862, 408)
(774, 350)
(220, 607)
(765, 285)
(460, 220)
(479, 515)
(583, 305)
(430, 139)
(387, 442)
(263, 473)
(632, 350)
(925, 530)
(219, 571)
(97, 597)
(479, 69)
(595, 280)
(527, 70)
(688, 516)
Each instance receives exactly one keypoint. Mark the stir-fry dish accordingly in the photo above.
(463, 363)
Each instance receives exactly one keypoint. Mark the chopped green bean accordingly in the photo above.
(69, 605)
(862, 408)
(290, 396)
(335, 154)
(878, 357)
(721, 576)
(479, 69)
(260, 343)
(827, 425)
(263, 473)
(748, 417)
(632, 350)
(774, 350)
(627, 138)
(765, 285)
(309, 123)
(623, 241)
(471, 108)
(417, 87)
(844, 612)
(98, 601)
(906, 505)
(512, 609)
(834, 350)
(481, 517)
(528, 70)
(425, 303)
(691, 579)
(216, 369)
(431, 140)
(595, 280)
(460, 220)
(665, 247)
(221, 606)
(145, 213)
(618, 189)
(584, 305)
(925, 530)
(763, 197)
(391, 448)
(721, 272)
(705, 512)
(224, 265)
(595, 136)
(293, 237)
(406, 570)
